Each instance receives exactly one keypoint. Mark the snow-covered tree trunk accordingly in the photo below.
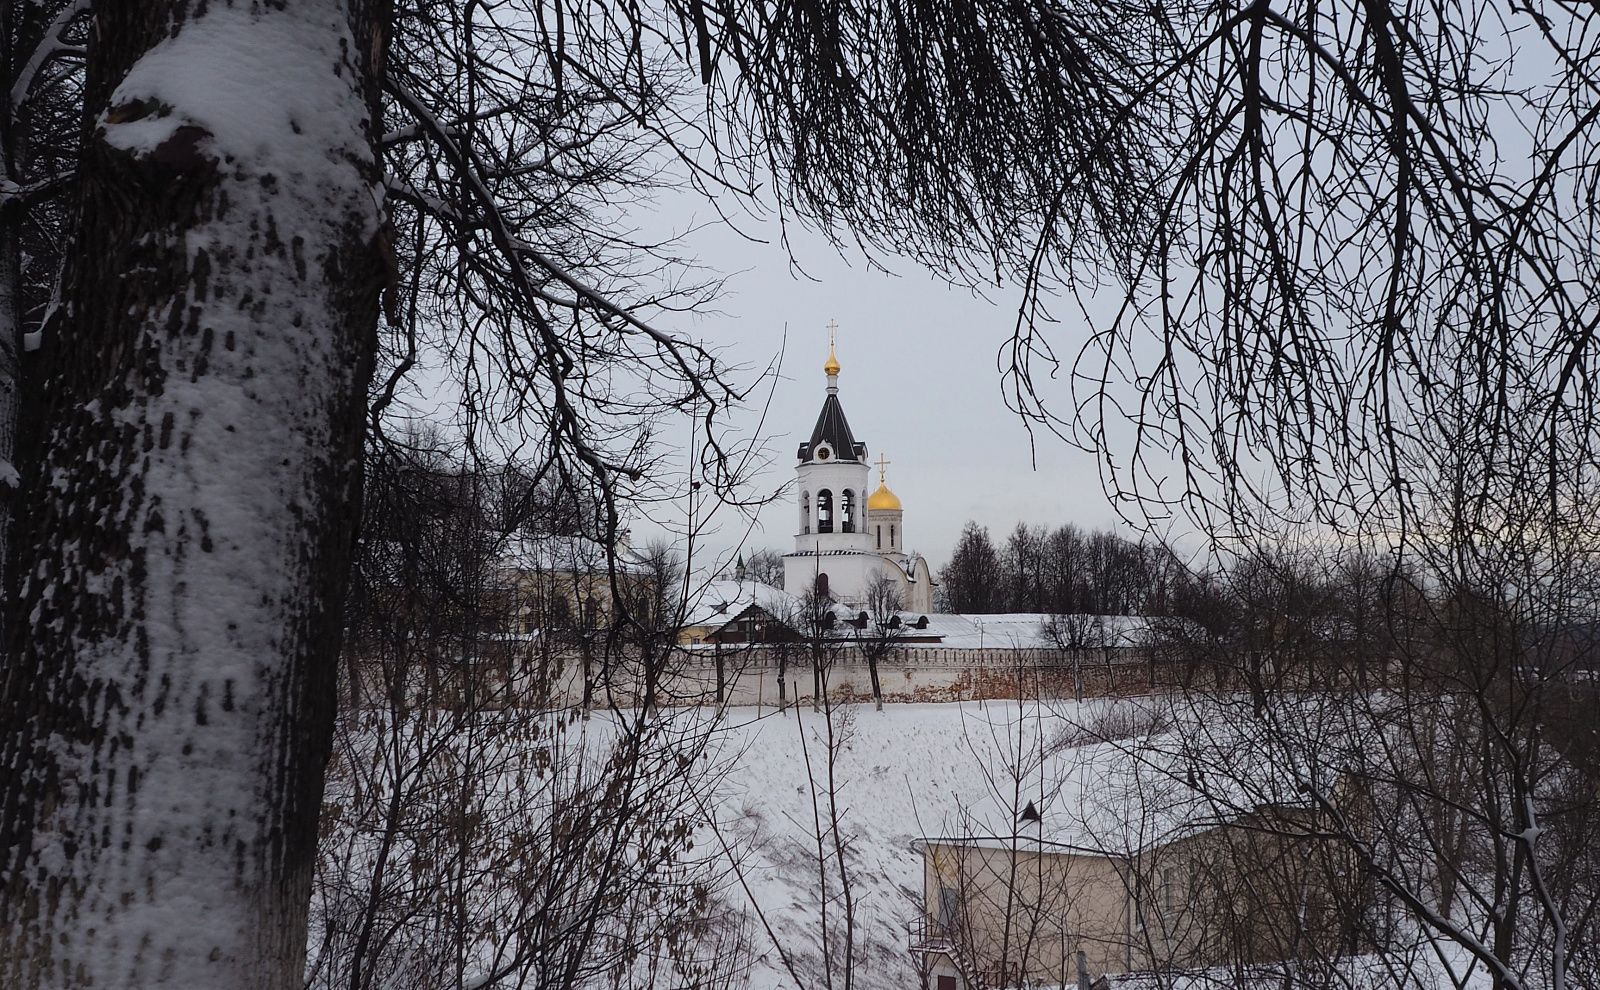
(166, 706)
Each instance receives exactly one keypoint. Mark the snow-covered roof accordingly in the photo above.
(1450, 966)
(1026, 630)
(1121, 797)
(720, 602)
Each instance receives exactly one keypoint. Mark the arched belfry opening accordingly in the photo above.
(805, 513)
(825, 511)
(847, 511)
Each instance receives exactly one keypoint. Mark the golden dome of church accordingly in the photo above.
(883, 500)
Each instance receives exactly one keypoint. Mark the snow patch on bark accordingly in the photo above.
(240, 76)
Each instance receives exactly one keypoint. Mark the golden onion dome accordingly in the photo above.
(883, 500)
(832, 367)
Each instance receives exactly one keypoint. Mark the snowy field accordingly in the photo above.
(899, 774)
(804, 844)
(913, 770)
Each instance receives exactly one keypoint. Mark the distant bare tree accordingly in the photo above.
(812, 645)
(1074, 634)
(879, 629)
(765, 565)
(970, 581)
(1023, 564)
(1447, 781)
(480, 830)
(1075, 631)
(1061, 571)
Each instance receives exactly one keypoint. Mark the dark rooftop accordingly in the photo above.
(833, 428)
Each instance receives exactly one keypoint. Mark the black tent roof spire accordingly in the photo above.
(831, 437)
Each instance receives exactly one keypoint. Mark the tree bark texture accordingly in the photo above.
(19, 28)
(169, 685)
(10, 381)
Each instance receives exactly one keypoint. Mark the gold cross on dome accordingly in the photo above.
(833, 330)
(883, 468)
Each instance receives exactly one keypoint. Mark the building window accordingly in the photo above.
(891, 535)
(822, 585)
(880, 537)
(847, 511)
(949, 909)
(1170, 893)
(825, 511)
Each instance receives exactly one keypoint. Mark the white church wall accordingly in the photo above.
(925, 674)
(920, 596)
(887, 530)
(848, 573)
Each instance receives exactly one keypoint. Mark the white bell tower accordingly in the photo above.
(831, 480)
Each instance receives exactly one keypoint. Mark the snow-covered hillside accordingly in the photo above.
(795, 830)
(899, 773)
(927, 770)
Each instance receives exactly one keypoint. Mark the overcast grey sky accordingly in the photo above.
(920, 383)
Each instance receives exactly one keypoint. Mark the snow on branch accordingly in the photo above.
(51, 47)
(24, 193)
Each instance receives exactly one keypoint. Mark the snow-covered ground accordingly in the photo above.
(773, 803)
(923, 770)
(900, 773)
